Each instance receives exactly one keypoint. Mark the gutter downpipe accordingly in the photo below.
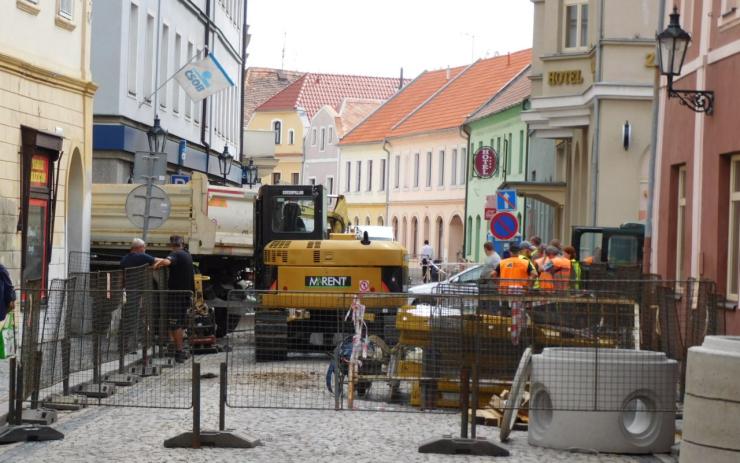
(464, 129)
(156, 57)
(597, 121)
(387, 179)
(243, 84)
(648, 244)
(206, 43)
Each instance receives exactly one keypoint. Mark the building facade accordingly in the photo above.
(696, 220)
(46, 98)
(289, 113)
(136, 48)
(592, 90)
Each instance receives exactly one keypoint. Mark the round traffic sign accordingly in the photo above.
(504, 226)
(159, 206)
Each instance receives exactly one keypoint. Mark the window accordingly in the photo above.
(312, 181)
(416, 170)
(681, 224)
(276, 178)
(331, 135)
(453, 172)
(576, 24)
(133, 43)
(277, 127)
(382, 175)
(463, 166)
(322, 144)
(359, 176)
(330, 184)
(293, 214)
(728, 15)
(733, 259)
(163, 60)
(148, 75)
(348, 177)
(429, 169)
(369, 176)
(367, 220)
(498, 152)
(65, 8)
(178, 65)
(291, 137)
(441, 181)
(313, 137)
(295, 178)
(521, 151)
(397, 176)
(188, 101)
(508, 150)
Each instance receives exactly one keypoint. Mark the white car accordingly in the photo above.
(468, 277)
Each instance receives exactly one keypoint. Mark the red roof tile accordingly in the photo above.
(464, 94)
(512, 94)
(377, 126)
(312, 91)
(262, 84)
(352, 112)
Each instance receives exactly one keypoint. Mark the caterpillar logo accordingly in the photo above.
(328, 282)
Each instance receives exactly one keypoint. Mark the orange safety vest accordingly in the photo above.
(545, 278)
(562, 275)
(514, 272)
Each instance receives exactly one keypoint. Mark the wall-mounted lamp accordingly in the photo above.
(626, 135)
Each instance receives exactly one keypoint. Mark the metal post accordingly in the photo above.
(19, 395)
(337, 382)
(196, 405)
(147, 202)
(36, 380)
(464, 400)
(11, 389)
(222, 397)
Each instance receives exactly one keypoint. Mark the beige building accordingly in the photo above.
(592, 91)
(46, 96)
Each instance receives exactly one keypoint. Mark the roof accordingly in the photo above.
(312, 91)
(377, 126)
(464, 94)
(353, 111)
(262, 84)
(511, 95)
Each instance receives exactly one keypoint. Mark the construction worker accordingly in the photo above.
(515, 273)
(536, 241)
(569, 252)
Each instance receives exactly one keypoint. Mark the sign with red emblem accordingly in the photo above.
(485, 162)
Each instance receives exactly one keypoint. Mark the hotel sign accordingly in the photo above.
(556, 78)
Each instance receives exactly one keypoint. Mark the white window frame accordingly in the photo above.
(330, 184)
(728, 14)
(417, 168)
(348, 174)
(313, 136)
(358, 186)
(277, 135)
(369, 175)
(68, 15)
(383, 173)
(734, 234)
(291, 137)
(441, 173)
(294, 176)
(681, 223)
(453, 167)
(322, 139)
(397, 173)
(463, 174)
(147, 85)
(133, 50)
(330, 137)
(579, 25)
(429, 164)
(312, 181)
(164, 59)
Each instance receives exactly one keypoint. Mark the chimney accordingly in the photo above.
(400, 80)
(448, 72)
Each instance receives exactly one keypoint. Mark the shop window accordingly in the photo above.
(733, 258)
(681, 224)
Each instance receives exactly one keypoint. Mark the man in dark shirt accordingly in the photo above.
(180, 280)
(137, 255)
(7, 293)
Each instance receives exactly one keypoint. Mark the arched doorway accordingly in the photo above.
(380, 221)
(455, 240)
(415, 236)
(394, 224)
(75, 202)
(427, 229)
(367, 220)
(440, 238)
(404, 233)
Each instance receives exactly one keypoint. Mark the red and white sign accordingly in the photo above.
(489, 213)
(364, 286)
(485, 162)
(504, 226)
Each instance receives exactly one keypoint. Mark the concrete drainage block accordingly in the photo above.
(143, 371)
(65, 402)
(605, 400)
(97, 391)
(121, 379)
(40, 416)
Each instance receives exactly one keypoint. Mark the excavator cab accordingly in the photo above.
(610, 248)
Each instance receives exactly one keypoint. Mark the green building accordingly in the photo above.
(498, 125)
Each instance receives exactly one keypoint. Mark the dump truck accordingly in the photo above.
(281, 239)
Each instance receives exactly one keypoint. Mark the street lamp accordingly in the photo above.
(224, 162)
(672, 45)
(157, 137)
(249, 174)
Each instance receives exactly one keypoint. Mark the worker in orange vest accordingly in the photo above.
(515, 273)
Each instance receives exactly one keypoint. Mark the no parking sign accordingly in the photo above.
(504, 226)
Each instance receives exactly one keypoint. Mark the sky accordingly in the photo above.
(378, 37)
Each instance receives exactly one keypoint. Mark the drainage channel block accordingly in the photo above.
(40, 416)
(121, 379)
(65, 402)
(142, 371)
(98, 391)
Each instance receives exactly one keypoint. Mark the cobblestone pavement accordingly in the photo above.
(112, 434)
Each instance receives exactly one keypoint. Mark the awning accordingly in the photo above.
(551, 193)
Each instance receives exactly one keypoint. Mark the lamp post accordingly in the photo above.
(157, 137)
(672, 45)
(249, 174)
(224, 162)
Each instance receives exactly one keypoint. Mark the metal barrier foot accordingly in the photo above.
(217, 439)
(40, 416)
(97, 391)
(449, 445)
(143, 371)
(121, 379)
(65, 402)
(11, 434)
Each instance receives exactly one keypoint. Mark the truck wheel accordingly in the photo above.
(271, 336)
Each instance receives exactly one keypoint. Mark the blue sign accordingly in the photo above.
(506, 200)
(179, 179)
(504, 226)
(501, 246)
